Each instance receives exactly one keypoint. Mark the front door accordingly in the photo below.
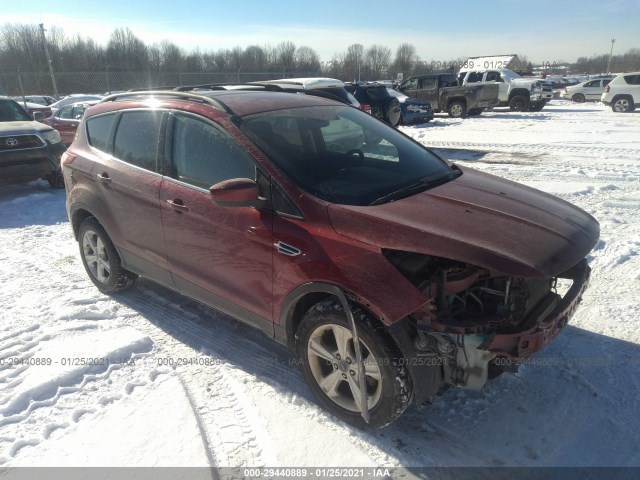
(222, 256)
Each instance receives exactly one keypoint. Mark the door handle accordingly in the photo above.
(178, 205)
(104, 178)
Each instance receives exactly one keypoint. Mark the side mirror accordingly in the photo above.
(237, 192)
(38, 116)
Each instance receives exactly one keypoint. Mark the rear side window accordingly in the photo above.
(99, 131)
(493, 77)
(632, 79)
(137, 137)
(203, 156)
(474, 77)
(428, 83)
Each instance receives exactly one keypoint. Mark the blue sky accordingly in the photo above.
(440, 30)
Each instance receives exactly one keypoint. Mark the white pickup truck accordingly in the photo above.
(519, 94)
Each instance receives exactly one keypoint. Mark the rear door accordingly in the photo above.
(222, 256)
(127, 187)
(428, 90)
(593, 90)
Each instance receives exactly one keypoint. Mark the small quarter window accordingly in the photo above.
(99, 132)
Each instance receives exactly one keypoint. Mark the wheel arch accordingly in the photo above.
(460, 98)
(302, 298)
(79, 213)
(518, 91)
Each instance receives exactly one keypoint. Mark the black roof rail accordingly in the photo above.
(171, 94)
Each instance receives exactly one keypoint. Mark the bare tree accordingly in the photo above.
(286, 56)
(405, 59)
(255, 59)
(377, 58)
(307, 59)
(353, 61)
(126, 51)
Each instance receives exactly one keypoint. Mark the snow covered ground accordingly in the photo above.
(149, 378)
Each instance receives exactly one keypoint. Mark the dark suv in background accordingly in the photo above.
(375, 99)
(28, 149)
(392, 272)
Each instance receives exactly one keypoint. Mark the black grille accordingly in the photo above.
(20, 142)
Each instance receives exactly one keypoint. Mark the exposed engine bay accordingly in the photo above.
(478, 323)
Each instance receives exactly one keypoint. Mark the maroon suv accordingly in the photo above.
(393, 273)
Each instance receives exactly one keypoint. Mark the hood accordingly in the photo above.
(524, 81)
(22, 128)
(478, 219)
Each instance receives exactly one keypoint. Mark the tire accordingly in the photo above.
(392, 112)
(56, 180)
(101, 260)
(519, 103)
(457, 109)
(474, 112)
(388, 383)
(536, 107)
(623, 105)
(578, 98)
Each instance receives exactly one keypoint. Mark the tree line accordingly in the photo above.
(22, 48)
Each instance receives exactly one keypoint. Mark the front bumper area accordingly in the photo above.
(526, 343)
(30, 164)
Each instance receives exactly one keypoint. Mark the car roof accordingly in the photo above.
(306, 83)
(235, 102)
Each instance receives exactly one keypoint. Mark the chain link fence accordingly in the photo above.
(41, 83)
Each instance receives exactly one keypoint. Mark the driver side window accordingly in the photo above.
(202, 155)
(411, 84)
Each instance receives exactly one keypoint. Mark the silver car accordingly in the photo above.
(589, 91)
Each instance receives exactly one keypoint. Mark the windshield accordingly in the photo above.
(343, 155)
(10, 111)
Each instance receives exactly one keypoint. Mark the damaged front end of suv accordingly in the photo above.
(478, 323)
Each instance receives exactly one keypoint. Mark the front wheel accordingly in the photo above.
(519, 103)
(578, 98)
(101, 260)
(56, 180)
(457, 109)
(326, 349)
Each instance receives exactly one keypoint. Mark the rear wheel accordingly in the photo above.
(536, 107)
(623, 105)
(326, 349)
(474, 112)
(457, 109)
(519, 103)
(578, 98)
(101, 260)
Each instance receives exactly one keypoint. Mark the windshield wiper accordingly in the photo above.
(421, 185)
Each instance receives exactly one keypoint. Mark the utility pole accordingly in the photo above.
(46, 52)
(613, 40)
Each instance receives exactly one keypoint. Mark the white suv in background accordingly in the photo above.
(623, 93)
